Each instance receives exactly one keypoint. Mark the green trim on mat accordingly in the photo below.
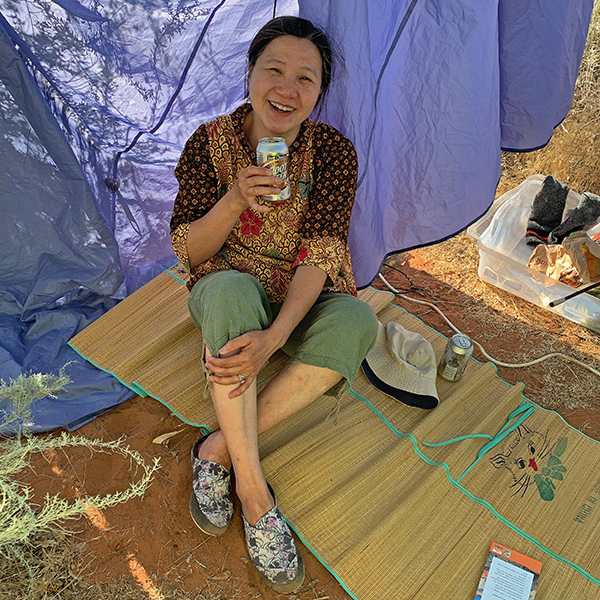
(473, 436)
(139, 389)
(527, 408)
(102, 368)
(205, 429)
(385, 292)
(142, 391)
(477, 500)
(318, 557)
(175, 276)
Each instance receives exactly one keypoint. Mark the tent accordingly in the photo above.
(98, 99)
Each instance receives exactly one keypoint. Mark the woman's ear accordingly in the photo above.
(247, 82)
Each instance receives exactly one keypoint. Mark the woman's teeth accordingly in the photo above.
(280, 107)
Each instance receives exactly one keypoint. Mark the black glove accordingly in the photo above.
(578, 219)
(546, 212)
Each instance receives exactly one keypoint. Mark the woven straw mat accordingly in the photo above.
(392, 516)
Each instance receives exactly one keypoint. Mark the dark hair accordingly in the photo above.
(300, 28)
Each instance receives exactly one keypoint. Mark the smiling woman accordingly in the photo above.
(265, 277)
(284, 86)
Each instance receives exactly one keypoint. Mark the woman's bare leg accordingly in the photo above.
(297, 385)
(243, 418)
(239, 439)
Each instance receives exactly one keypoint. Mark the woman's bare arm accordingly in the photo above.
(208, 233)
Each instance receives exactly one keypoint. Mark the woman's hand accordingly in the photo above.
(207, 234)
(244, 355)
(252, 182)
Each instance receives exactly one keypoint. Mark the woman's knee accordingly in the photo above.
(224, 287)
(225, 304)
(353, 319)
(365, 323)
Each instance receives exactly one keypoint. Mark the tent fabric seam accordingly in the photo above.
(171, 101)
(401, 27)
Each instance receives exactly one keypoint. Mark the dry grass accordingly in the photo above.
(57, 562)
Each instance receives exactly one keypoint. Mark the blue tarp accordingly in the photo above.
(430, 91)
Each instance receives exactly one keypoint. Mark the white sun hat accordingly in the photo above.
(402, 364)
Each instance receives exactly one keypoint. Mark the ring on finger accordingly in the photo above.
(242, 378)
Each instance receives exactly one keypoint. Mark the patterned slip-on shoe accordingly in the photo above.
(273, 551)
(211, 502)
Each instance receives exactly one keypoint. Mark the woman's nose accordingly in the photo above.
(287, 88)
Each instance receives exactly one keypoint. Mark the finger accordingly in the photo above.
(224, 379)
(269, 181)
(255, 206)
(226, 366)
(255, 170)
(241, 388)
(236, 344)
(260, 190)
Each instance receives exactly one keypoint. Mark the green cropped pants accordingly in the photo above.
(336, 333)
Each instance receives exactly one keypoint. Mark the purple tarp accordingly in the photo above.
(430, 91)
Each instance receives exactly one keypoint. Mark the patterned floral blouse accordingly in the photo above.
(310, 228)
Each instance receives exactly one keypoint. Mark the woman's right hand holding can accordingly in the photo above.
(253, 182)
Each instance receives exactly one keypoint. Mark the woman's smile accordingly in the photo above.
(284, 86)
(281, 107)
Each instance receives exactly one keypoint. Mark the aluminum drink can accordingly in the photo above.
(455, 358)
(273, 153)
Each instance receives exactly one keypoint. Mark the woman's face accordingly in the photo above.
(284, 87)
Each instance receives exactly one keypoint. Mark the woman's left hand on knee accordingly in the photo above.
(245, 355)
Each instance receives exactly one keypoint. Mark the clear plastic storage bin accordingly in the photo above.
(503, 255)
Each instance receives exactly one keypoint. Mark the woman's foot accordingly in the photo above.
(213, 447)
(273, 551)
(211, 502)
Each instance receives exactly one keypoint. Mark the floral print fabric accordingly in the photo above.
(311, 228)
(212, 488)
(271, 548)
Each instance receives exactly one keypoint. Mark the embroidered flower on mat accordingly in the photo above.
(251, 224)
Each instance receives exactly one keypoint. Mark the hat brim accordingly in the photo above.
(426, 402)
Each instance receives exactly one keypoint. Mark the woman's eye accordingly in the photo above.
(274, 70)
(307, 79)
